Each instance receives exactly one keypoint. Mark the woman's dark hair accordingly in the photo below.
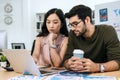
(82, 11)
(60, 14)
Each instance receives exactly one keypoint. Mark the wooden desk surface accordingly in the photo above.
(113, 73)
(5, 75)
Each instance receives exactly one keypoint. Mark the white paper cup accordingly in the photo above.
(78, 53)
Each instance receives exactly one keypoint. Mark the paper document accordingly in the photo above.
(99, 78)
(61, 77)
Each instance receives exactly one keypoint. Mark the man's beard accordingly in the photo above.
(83, 32)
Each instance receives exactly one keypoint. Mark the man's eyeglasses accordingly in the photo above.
(74, 24)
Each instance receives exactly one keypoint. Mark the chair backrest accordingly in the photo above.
(33, 45)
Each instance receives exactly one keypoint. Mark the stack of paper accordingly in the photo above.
(65, 75)
(99, 78)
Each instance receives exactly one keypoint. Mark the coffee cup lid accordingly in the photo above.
(78, 51)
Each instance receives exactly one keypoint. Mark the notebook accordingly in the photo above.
(21, 61)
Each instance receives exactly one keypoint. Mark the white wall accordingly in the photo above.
(113, 15)
(23, 28)
(14, 30)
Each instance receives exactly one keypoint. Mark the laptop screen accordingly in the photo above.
(21, 61)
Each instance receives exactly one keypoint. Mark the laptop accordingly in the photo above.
(21, 61)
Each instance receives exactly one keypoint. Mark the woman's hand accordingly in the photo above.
(52, 38)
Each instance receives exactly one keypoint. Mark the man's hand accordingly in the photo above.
(82, 65)
(74, 64)
(89, 66)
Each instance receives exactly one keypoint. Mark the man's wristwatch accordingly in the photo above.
(102, 68)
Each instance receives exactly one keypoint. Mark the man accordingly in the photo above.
(99, 42)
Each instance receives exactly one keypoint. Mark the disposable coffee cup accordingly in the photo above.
(78, 53)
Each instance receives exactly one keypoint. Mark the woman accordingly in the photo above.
(51, 43)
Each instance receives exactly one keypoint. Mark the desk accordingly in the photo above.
(113, 73)
(5, 75)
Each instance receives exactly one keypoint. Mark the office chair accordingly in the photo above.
(33, 45)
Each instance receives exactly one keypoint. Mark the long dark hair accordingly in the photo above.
(60, 14)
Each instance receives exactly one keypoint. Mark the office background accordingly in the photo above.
(21, 16)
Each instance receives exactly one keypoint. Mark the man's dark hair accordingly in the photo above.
(60, 14)
(82, 11)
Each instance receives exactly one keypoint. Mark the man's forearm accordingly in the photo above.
(111, 66)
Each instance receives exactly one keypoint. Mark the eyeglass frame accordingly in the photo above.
(74, 24)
